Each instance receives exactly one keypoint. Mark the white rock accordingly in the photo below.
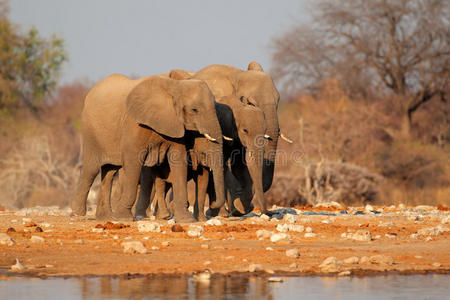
(98, 230)
(308, 229)
(255, 267)
(37, 239)
(390, 236)
(155, 248)
(6, 239)
(290, 218)
(262, 233)
(345, 273)
(326, 221)
(310, 235)
(401, 206)
(17, 266)
(305, 220)
(115, 237)
(195, 230)
(79, 241)
(293, 253)
(437, 265)
(166, 244)
(293, 266)
(171, 222)
(208, 262)
(368, 208)
(351, 260)
(269, 248)
(381, 260)
(264, 217)
(204, 246)
(414, 236)
(432, 230)
(46, 225)
(276, 237)
(134, 247)
(290, 227)
(146, 226)
(364, 260)
(362, 235)
(213, 222)
(26, 220)
(445, 220)
(330, 265)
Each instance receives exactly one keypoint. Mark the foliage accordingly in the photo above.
(29, 65)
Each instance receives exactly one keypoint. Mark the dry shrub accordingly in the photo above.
(33, 171)
(325, 182)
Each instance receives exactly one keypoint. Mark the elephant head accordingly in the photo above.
(170, 107)
(251, 134)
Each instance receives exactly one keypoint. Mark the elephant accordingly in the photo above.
(130, 123)
(224, 80)
(239, 119)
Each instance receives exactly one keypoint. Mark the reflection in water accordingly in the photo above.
(227, 287)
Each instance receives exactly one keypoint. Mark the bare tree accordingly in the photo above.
(397, 47)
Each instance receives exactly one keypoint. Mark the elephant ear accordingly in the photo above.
(150, 104)
(180, 74)
(254, 66)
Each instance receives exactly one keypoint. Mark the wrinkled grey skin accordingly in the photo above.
(253, 83)
(126, 123)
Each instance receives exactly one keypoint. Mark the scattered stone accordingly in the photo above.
(290, 227)
(368, 208)
(262, 233)
(290, 218)
(275, 279)
(146, 226)
(401, 206)
(10, 229)
(171, 222)
(264, 217)
(276, 237)
(26, 220)
(49, 266)
(205, 246)
(127, 238)
(437, 265)
(255, 268)
(418, 256)
(155, 248)
(166, 244)
(6, 239)
(195, 230)
(46, 225)
(13, 221)
(269, 248)
(308, 229)
(377, 237)
(229, 257)
(213, 222)
(326, 221)
(115, 237)
(361, 235)
(387, 224)
(146, 238)
(38, 229)
(207, 263)
(177, 228)
(134, 247)
(79, 241)
(391, 236)
(293, 266)
(293, 253)
(381, 260)
(329, 204)
(432, 230)
(344, 235)
(345, 273)
(37, 239)
(330, 265)
(98, 230)
(310, 235)
(445, 220)
(306, 220)
(17, 266)
(114, 225)
(428, 239)
(364, 260)
(414, 236)
(351, 260)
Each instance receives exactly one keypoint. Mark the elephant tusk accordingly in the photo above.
(227, 138)
(266, 136)
(209, 137)
(285, 138)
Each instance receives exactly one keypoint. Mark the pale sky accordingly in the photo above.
(151, 37)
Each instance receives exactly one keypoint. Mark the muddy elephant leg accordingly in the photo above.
(177, 158)
(201, 185)
(160, 194)
(89, 171)
(130, 179)
(146, 182)
(103, 210)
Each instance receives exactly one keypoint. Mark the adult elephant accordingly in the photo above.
(126, 123)
(252, 83)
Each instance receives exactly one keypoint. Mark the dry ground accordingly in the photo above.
(231, 247)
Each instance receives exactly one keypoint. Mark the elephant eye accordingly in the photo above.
(245, 131)
(194, 110)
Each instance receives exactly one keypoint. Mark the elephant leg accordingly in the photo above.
(146, 182)
(103, 210)
(160, 194)
(201, 185)
(89, 171)
(241, 178)
(130, 179)
(178, 167)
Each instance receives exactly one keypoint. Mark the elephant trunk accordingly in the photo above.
(254, 160)
(270, 148)
(219, 182)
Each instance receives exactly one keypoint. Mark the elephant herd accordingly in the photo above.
(218, 127)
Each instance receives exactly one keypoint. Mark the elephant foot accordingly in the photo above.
(202, 218)
(78, 209)
(183, 216)
(238, 208)
(212, 212)
(163, 215)
(223, 212)
(123, 214)
(103, 213)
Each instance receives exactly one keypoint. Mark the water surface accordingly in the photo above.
(231, 287)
